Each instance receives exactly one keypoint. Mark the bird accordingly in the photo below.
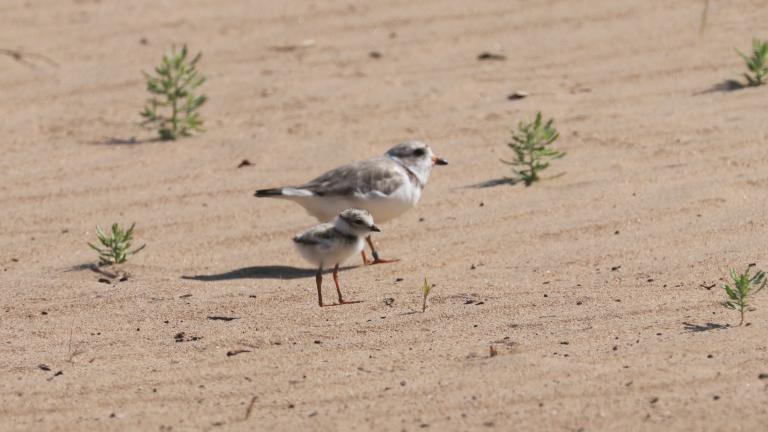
(329, 244)
(386, 186)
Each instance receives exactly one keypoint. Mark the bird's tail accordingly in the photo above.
(268, 192)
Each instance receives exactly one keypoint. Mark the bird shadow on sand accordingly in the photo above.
(261, 272)
(697, 328)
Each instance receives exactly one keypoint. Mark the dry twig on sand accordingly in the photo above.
(704, 16)
(25, 58)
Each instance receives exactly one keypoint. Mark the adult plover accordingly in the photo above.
(387, 186)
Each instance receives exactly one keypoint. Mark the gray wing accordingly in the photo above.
(373, 175)
(316, 235)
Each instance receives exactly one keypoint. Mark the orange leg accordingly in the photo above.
(319, 280)
(336, 281)
(338, 289)
(376, 259)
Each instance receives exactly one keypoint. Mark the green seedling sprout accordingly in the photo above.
(425, 293)
(743, 287)
(757, 63)
(531, 144)
(116, 246)
(173, 88)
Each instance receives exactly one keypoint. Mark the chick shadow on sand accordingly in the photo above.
(262, 272)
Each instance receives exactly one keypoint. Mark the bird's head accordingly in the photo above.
(417, 157)
(357, 222)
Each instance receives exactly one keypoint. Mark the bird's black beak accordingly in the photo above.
(439, 161)
(374, 228)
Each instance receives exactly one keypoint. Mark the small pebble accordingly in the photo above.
(490, 56)
(518, 95)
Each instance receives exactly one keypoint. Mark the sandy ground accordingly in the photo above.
(595, 287)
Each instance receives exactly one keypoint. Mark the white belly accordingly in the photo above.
(383, 207)
(329, 255)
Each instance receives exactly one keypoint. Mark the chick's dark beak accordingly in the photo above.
(439, 161)
(374, 228)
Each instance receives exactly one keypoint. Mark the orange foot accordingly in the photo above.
(383, 261)
(377, 260)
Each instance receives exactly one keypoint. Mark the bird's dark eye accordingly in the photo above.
(418, 152)
(359, 221)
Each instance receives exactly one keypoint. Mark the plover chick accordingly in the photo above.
(329, 244)
(386, 186)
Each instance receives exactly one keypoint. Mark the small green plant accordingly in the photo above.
(743, 287)
(174, 85)
(531, 144)
(425, 294)
(757, 63)
(116, 246)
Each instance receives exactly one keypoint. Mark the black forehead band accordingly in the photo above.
(404, 151)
